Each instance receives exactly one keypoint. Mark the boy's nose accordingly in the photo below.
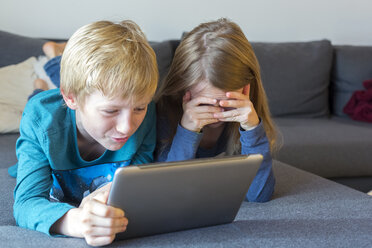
(125, 125)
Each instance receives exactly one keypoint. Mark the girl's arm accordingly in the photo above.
(252, 142)
(183, 147)
(197, 113)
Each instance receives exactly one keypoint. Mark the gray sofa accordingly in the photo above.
(307, 84)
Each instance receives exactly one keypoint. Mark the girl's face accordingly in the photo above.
(205, 89)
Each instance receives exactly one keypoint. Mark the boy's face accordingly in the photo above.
(110, 122)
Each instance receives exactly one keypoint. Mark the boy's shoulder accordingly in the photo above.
(47, 106)
(150, 114)
(151, 108)
(148, 123)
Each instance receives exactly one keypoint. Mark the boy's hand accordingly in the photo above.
(95, 221)
(198, 112)
(243, 110)
(99, 222)
(105, 188)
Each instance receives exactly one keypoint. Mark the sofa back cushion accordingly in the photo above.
(296, 77)
(16, 48)
(164, 54)
(352, 65)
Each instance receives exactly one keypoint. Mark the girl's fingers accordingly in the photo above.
(204, 116)
(208, 121)
(233, 103)
(227, 114)
(237, 95)
(231, 119)
(207, 109)
(202, 100)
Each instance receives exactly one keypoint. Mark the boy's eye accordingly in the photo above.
(140, 109)
(109, 111)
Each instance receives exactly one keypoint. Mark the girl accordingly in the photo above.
(212, 103)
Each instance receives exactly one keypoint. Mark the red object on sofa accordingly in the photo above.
(359, 107)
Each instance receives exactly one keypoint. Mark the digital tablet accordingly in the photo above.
(167, 197)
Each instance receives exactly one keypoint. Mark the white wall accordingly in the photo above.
(341, 21)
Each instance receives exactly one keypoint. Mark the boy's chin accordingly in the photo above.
(114, 147)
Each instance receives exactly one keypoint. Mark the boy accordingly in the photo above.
(70, 137)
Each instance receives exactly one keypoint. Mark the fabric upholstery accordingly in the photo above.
(164, 56)
(306, 211)
(7, 149)
(296, 77)
(352, 65)
(16, 48)
(334, 147)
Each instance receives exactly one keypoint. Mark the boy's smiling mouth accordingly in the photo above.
(120, 140)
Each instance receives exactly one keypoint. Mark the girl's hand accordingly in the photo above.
(198, 112)
(242, 109)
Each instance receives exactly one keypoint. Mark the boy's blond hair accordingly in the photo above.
(114, 58)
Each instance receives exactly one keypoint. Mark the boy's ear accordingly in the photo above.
(70, 100)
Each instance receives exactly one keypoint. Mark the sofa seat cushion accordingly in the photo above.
(6, 202)
(296, 77)
(329, 147)
(7, 149)
(305, 209)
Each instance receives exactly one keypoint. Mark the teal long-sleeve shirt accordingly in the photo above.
(47, 143)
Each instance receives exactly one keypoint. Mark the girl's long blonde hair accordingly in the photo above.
(219, 52)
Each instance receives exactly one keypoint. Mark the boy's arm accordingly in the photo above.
(95, 221)
(255, 141)
(32, 208)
